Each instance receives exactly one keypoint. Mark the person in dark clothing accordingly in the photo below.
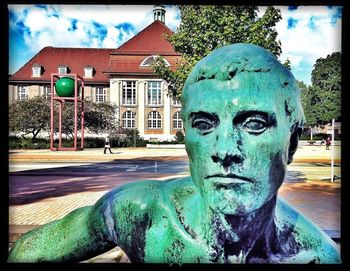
(328, 143)
(107, 145)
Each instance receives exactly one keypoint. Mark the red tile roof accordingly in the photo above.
(124, 64)
(75, 58)
(150, 40)
(124, 60)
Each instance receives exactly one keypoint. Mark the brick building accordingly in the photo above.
(121, 76)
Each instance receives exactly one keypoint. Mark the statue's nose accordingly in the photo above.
(226, 151)
(228, 160)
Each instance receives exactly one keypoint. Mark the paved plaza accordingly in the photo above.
(46, 185)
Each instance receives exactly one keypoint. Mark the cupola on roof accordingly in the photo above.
(159, 13)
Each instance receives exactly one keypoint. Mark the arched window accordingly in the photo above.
(177, 121)
(147, 62)
(128, 118)
(154, 120)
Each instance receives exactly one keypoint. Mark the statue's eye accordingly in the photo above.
(202, 125)
(255, 125)
(204, 122)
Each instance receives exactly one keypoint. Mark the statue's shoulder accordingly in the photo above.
(299, 237)
(146, 193)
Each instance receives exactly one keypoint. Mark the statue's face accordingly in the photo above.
(237, 139)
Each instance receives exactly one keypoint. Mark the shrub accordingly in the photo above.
(179, 137)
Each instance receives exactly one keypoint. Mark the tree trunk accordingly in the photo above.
(311, 134)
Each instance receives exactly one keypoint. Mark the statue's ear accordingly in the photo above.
(293, 145)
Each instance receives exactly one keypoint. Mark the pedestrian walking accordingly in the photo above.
(107, 145)
(328, 143)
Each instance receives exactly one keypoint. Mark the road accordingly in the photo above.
(100, 168)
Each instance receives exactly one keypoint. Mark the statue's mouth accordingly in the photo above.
(230, 178)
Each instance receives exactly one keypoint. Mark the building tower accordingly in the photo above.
(159, 13)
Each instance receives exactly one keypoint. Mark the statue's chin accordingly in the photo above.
(229, 207)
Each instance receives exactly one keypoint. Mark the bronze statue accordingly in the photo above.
(243, 119)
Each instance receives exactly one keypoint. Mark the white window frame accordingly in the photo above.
(22, 93)
(62, 69)
(147, 62)
(177, 121)
(47, 92)
(88, 72)
(129, 119)
(154, 120)
(154, 91)
(100, 95)
(129, 86)
(36, 71)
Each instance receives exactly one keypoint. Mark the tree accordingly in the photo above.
(308, 102)
(29, 116)
(287, 64)
(33, 116)
(205, 28)
(322, 100)
(98, 118)
(326, 82)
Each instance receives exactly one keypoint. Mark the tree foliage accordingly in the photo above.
(205, 28)
(98, 117)
(308, 102)
(287, 64)
(322, 100)
(33, 116)
(29, 116)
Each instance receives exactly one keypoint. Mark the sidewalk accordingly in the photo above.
(304, 154)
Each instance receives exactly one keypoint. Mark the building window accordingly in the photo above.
(47, 92)
(36, 71)
(154, 120)
(88, 71)
(22, 93)
(129, 93)
(100, 94)
(62, 69)
(154, 93)
(148, 61)
(128, 118)
(177, 121)
(176, 102)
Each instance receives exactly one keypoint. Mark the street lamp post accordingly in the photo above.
(332, 153)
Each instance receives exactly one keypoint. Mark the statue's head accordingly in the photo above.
(243, 118)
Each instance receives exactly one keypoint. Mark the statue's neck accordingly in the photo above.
(237, 235)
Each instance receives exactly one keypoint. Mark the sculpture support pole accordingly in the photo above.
(60, 125)
(52, 112)
(82, 114)
(332, 154)
(75, 111)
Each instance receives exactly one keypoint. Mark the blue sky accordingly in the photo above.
(306, 32)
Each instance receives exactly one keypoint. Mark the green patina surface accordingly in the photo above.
(242, 118)
(65, 87)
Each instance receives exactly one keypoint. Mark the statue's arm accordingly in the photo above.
(80, 235)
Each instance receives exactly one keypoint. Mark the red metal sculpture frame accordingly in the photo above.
(76, 99)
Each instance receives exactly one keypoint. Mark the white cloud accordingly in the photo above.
(50, 25)
(172, 17)
(303, 44)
